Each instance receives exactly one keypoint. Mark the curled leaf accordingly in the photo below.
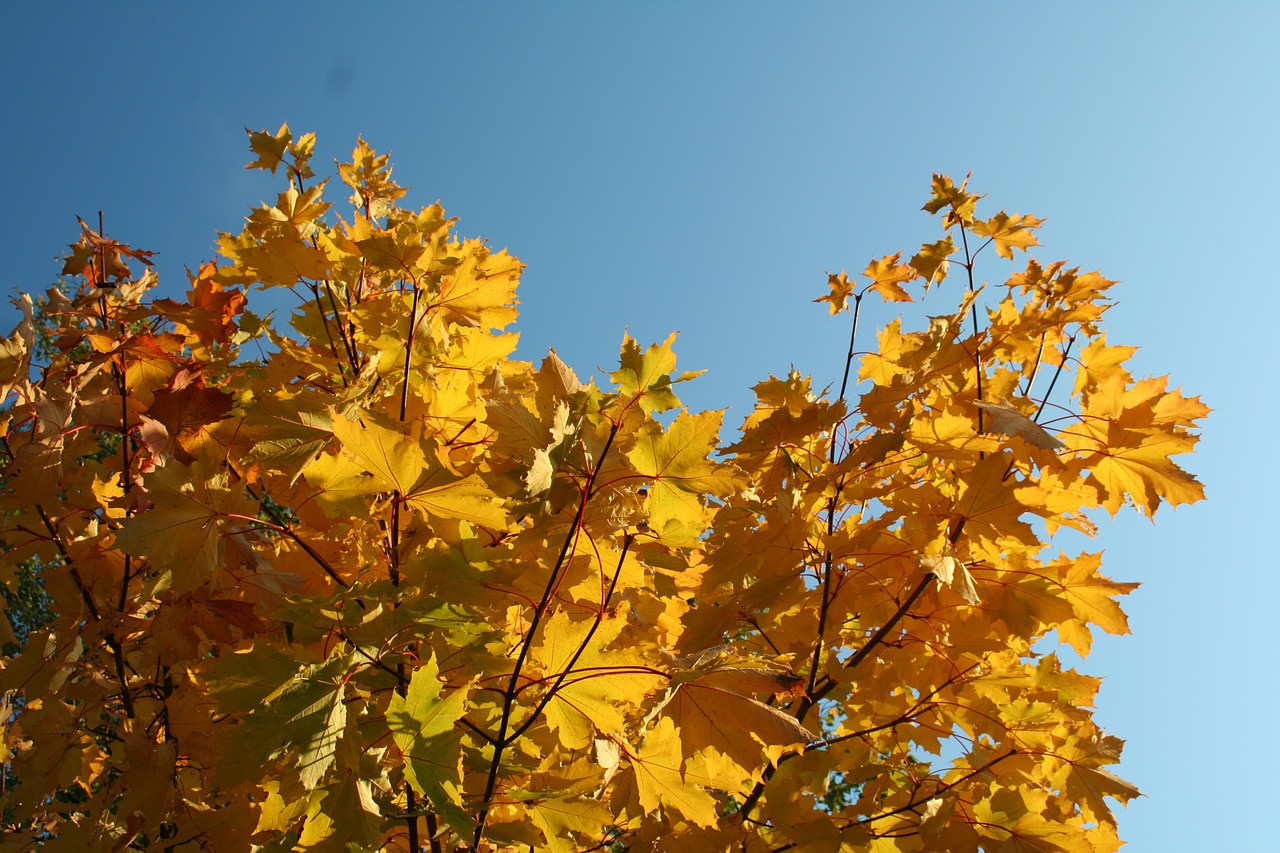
(948, 569)
(1007, 420)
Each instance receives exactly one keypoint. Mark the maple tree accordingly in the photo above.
(373, 584)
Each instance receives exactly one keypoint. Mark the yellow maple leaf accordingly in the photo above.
(1018, 819)
(678, 461)
(270, 147)
(563, 818)
(1092, 599)
(994, 507)
(1136, 463)
(16, 350)
(282, 259)
(744, 734)
(886, 363)
(593, 694)
(648, 376)
(379, 457)
(422, 723)
(951, 571)
(660, 779)
(369, 174)
(182, 531)
(1097, 361)
(1009, 232)
(841, 289)
(887, 276)
(480, 291)
(1084, 781)
(946, 194)
(931, 262)
(393, 251)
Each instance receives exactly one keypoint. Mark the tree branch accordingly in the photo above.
(501, 742)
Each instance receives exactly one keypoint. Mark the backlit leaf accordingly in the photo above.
(660, 780)
(423, 724)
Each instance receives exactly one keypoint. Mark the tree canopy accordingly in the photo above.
(368, 582)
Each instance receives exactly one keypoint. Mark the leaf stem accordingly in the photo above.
(1062, 363)
(878, 637)
(915, 804)
(1035, 368)
(370, 658)
(828, 569)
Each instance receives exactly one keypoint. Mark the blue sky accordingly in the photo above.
(700, 167)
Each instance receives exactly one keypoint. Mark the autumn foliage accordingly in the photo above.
(368, 583)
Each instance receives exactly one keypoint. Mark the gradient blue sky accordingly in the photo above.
(699, 167)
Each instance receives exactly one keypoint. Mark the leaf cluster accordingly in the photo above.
(368, 582)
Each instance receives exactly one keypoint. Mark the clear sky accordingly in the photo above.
(700, 167)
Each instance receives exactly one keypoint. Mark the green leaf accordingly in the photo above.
(304, 718)
(422, 723)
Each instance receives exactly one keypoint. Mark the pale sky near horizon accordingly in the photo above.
(701, 167)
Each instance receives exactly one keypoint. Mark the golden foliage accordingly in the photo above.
(372, 584)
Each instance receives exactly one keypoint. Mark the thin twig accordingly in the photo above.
(282, 526)
(501, 742)
(582, 646)
(848, 360)
(408, 352)
(973, 310)
(333, 348)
